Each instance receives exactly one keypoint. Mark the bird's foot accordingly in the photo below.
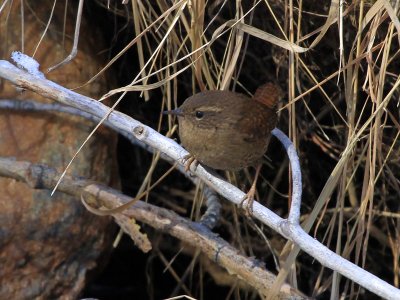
(247, 202)
(188, 160)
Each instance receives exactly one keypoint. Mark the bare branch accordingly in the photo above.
(191, 233)
(147, 135)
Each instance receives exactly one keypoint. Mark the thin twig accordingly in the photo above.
(74, 49)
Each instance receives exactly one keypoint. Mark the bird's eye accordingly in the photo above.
(199, 114)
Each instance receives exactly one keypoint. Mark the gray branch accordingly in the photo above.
(289, 228)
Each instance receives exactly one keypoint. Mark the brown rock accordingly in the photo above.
(48, 244)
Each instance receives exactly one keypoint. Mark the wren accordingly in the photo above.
(226, 130)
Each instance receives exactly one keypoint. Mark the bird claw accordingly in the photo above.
(188, 160)
(247, 202)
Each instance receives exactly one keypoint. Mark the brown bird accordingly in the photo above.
(226, 130)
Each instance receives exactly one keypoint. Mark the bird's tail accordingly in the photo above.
(268, 94)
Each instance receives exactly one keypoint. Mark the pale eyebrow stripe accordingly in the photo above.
(209, 108)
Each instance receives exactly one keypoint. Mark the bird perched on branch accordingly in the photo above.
(228, 131)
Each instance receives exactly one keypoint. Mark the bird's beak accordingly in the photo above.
(175, 112)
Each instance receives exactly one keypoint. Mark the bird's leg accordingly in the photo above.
(188, 160)
(247, 201)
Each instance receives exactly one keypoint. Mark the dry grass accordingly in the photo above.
(341, 110)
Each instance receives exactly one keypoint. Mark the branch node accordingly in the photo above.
(139, 132)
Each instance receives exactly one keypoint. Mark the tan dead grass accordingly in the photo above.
(199, 38)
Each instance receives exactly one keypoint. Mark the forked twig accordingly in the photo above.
(74, 49)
